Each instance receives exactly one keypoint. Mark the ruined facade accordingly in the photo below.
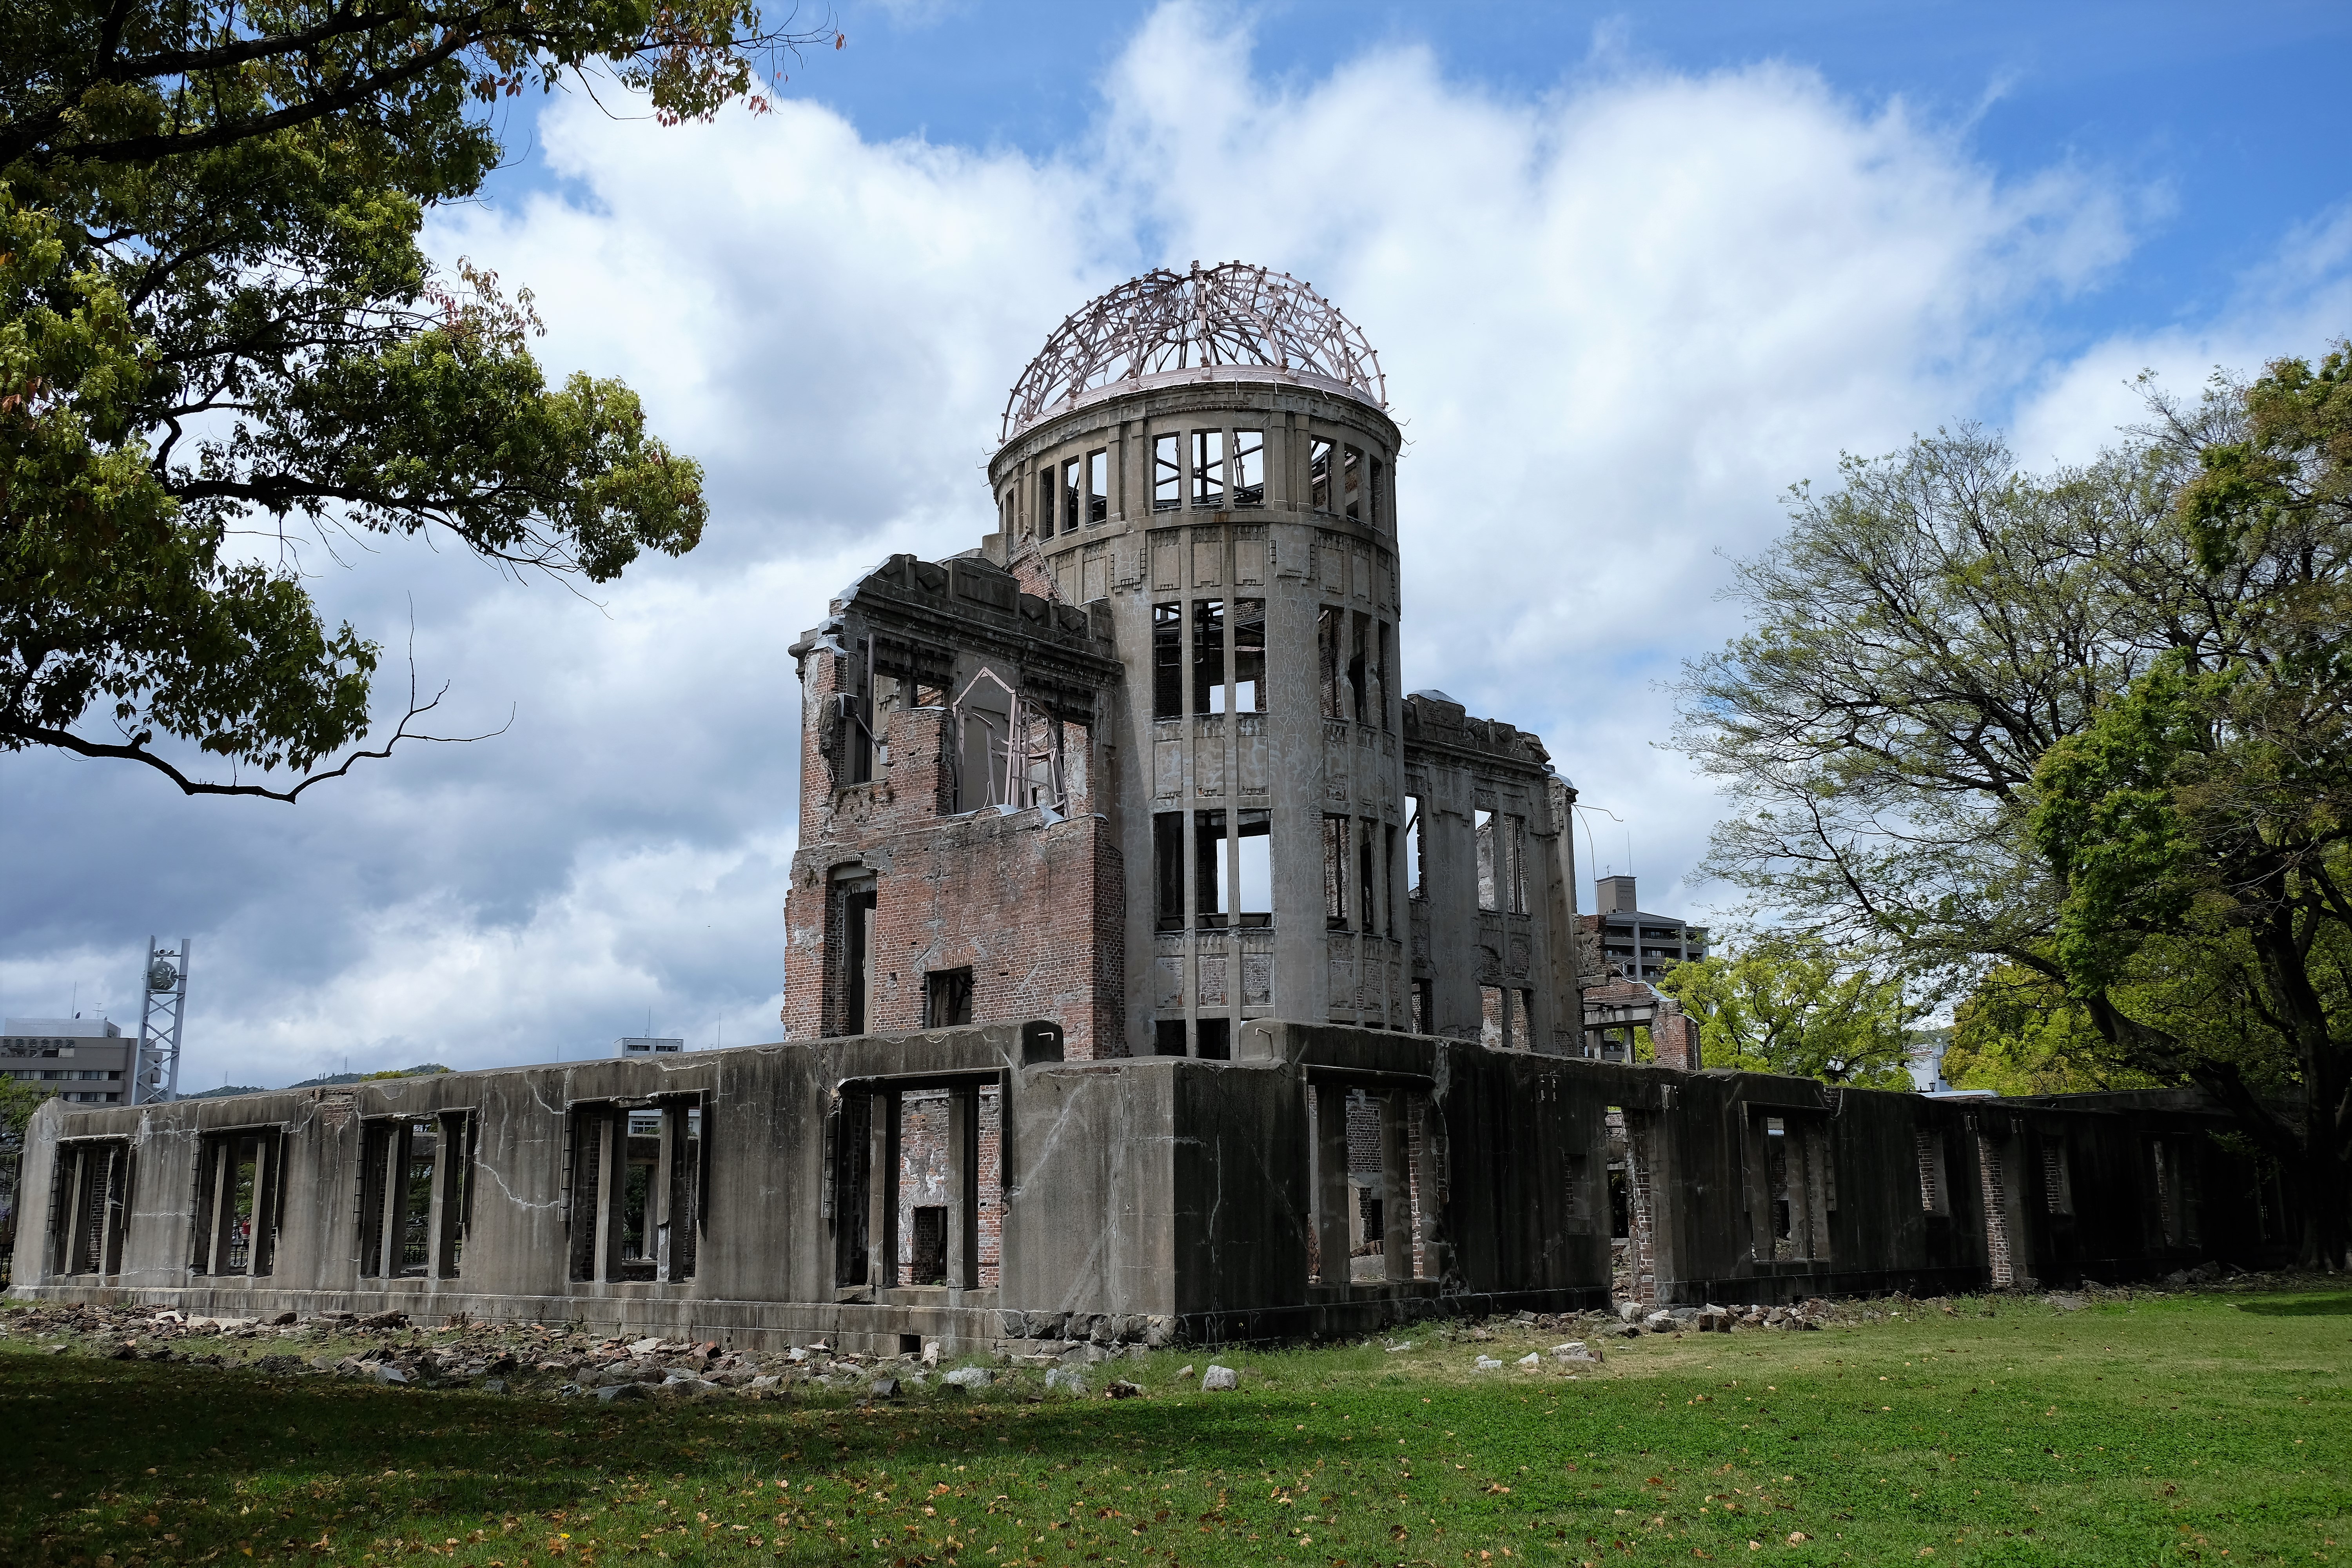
(1156, 967)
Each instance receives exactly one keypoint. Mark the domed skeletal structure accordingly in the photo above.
(1232, 322)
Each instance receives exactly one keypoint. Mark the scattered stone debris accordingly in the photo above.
(1219, 1379)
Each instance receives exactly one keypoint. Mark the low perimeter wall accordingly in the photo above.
(1326, 1181)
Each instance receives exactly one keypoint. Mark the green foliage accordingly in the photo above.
(2019, 1032)
(215, 319)
(19, 1100)
(1999, 1433)
(1791, 1003)
(2091, 728)
(423, 1069)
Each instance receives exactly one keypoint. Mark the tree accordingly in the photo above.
(1790, 1004)
(2019, 1032)
(1959, 732)
(215, 318)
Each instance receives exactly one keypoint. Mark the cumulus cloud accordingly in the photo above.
(1617, 321)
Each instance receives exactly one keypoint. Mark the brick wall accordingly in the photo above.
(1036, 910)
(1674, 1034)
(926, 1179)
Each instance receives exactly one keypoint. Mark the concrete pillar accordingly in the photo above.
(1332, 1193)
(611, 1207)
(963, 1186)
(882, 1192)
(1396, 1188)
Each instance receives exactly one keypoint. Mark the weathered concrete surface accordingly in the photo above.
(1151, 1199)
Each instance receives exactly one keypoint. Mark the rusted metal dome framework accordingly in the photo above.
(1204, 324)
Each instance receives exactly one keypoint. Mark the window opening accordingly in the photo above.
(1255, 905)
(1249, 467)
(1489, 873)
(928, 1264)
(1216, 1037)
(1166, 661)
(1073, 498)
(418, 1143)
(1330, 630)
(1367, 899)
(858, 897)
(947, 998)
(1425, 1006)
(643, 1134)
(1494, 1017)
(590, 1126)
(1933, 1196)
(1249, 655)
(1167, 472)
(850, 1127)
(1388, 875)
(1045, 503)
(1335, 872)
(1209, 889)
(236, 1202)
(2057, 1195)
(1352, 482)
(1168, 1037)
(681, 1226)
(1372, 497)
(90, 1204)
(1384, 660)
(1098, 487)
(1208, 468)
(1359, 669)
(1515, 868)
(1319, 475)
(458, 1131)
(1168, 861)
(1208, 655)
(1414, 887)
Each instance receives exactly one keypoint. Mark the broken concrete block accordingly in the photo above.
(645, 1347)
(1068, 1379)
(1531, 1361)
(384, 1320)
(1219, 1378)
(494, 1385)
(283, 1318)
(883, 1387)
(1488, 1363)
(1122, 1389)
(1183, 1371)
(1576, 1350)
(385, 1371)
(976, 1377)
(614, 1393)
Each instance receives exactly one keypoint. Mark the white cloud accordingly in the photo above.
(1617, 321)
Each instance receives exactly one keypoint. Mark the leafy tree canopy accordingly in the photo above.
(1792, 1003)
(2019, 1032)
(2087, 726)
(214, 319)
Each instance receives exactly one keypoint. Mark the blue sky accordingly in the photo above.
(1631, 274)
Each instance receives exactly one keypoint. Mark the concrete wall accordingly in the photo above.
(1152, 1198)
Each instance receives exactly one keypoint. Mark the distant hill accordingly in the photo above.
(422, 1069)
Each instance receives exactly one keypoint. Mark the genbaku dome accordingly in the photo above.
(1158, 968)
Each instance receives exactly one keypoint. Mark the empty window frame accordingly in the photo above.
(1494, 1017)
(1335, 872)
(1249, 655)
(1208, 468)
(237, 1207)
(1167, 870)
(1351, 483)
(1425, 1006)
(1360, 671)
(1374, 505)
(1490, 851)
(1167, 661)
(1416, 887)
(1168, 1037)
(1098, 487)
(2057, 1188)
(947, 998)
(415, 1195)
(90, 1204)
(1331, 660)
(1232, 870)
(1319, 475)
(1045, 503)
(849, 947)
(1388, 875)
(1214, 1037)
(1074, 498)
(1514, 865)
(1249, 467)
(1208, 655)
(1167, 472)
(638, 1179)
(1935, 1192)
(1368, 897)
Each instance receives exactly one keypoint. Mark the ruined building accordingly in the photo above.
(1156, 967)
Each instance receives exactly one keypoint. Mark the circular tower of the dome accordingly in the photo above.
(1209, 453)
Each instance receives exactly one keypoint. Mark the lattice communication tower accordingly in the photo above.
(164, 1006)
(1167, 326)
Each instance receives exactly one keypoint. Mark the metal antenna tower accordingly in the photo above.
(163, 1008)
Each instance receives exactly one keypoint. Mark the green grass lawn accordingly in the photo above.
(2208, 1427)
